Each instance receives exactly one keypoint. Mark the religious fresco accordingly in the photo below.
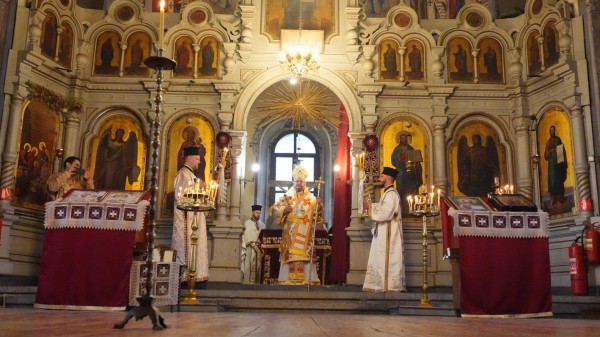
(284, 14)
(414, 61)
(118, 155)
(378, 8)
(490, 67)
(184, 132)
(107, 57)
(65, 51)
(184, 56)
(208, 58)
(476, 158)
(389, 60)
(399, 140)
(534, 63)
(49, 35)
(35, 160)
(139, 47)
(557, 175)
(551, 47)
(460, 61)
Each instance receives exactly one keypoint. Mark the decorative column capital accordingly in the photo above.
(369, 93)
(523, 123)
(592, 5)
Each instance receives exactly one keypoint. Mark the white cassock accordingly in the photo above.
(249, 257)
(182, 232)
(385, 269)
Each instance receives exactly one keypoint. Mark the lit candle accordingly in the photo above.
(161, 26)
(431, 197)
(438, 198)
(511, 189)
(409, 198)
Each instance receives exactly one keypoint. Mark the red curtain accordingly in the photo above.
(342, 204)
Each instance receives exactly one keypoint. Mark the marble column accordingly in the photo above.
(440, 174)
(9, 153)
(580, 157)
(359, 231)
(72, 140)
(523, 167)
(227, 231)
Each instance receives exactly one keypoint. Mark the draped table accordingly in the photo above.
(504, 262)
(88, 249)
(270, 239)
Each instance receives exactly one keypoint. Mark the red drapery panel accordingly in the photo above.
(85, 269)
(342, 204)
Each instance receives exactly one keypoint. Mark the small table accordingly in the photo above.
(504, 263)
(88, 250)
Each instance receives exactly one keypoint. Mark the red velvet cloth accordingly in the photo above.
(85, 269)
(340, 263)
(505, 276)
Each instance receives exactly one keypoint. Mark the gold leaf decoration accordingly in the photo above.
(306, 103)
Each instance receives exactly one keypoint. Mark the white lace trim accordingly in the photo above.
(165, 284)
(500, 224)
(113, 216)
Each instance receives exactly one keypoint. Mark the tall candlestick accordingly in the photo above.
(161, 26)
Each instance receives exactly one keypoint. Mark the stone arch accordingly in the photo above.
(343, 90)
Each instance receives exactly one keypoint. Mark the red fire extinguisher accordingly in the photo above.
(578, 268)
(592, 243)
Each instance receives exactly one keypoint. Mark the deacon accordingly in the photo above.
(252, 228)
(297, 212)
(182, 230)
(385, 269)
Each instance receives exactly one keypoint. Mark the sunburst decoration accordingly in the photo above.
(306, 104)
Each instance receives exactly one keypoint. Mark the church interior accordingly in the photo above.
(487, 109)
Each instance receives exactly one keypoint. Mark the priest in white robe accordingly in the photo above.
(182, 229)
(385, 269)
(250, 245)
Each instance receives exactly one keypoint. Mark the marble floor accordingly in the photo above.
(36, 322)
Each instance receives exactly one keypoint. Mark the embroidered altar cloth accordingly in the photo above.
(500, 224)
(115, 216)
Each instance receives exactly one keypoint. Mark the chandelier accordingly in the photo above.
(298, 57)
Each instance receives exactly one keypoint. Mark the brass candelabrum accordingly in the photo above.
(425, 205)
(195, 199)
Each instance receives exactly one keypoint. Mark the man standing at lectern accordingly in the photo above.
(385, 269)
(73, 177)
(182, 230)
(297, 212)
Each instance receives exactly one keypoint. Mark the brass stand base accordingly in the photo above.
(145, 309)
(425, 302)
(190, 298)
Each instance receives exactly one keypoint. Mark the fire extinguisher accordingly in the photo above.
(592, 243)
(578, 269)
